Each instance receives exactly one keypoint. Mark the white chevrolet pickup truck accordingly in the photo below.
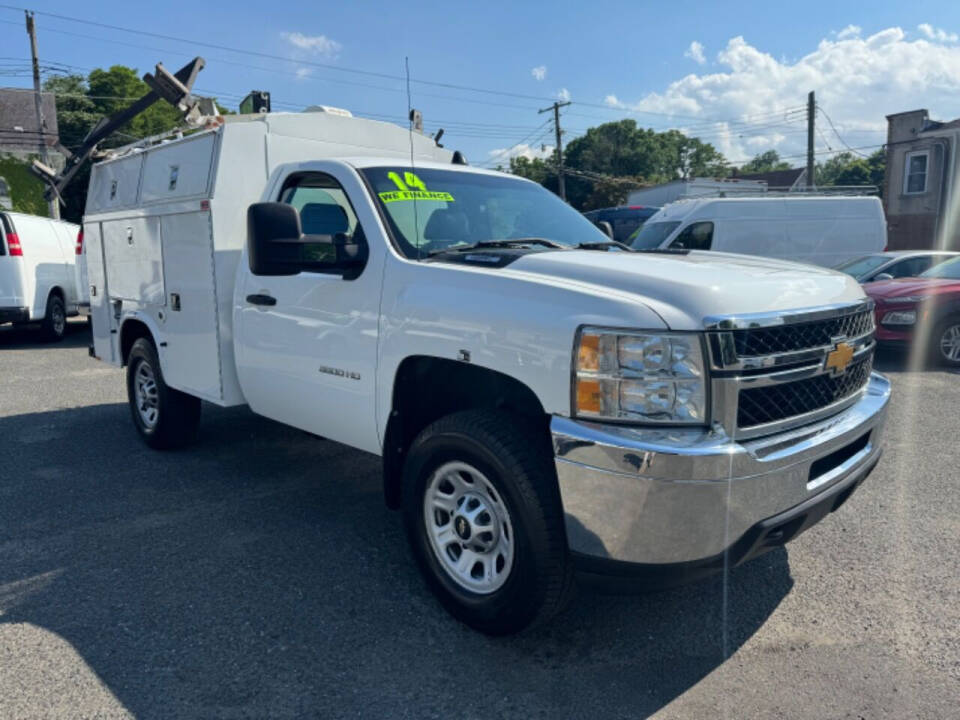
(545, 401)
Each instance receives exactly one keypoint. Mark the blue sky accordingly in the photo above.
(733, 73)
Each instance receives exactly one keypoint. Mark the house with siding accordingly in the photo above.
(20, 133)
(920, 184)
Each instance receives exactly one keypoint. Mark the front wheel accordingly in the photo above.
(946, 342)
(164, 417)
(484, 519)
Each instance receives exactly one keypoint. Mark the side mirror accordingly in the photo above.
(276, 245)
(882, 276)
(606, 227)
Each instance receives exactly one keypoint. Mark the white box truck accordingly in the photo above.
(543, 400)
(825, 231)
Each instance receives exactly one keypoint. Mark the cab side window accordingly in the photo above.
(322, 203)
(910, 267)
(696, 236)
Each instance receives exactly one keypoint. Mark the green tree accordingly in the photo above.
(848, 169)
(765, 162)
(624, 151)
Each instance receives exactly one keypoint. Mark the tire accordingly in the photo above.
(945, 342)
(164, 417)
(488, 463)
(54, 325)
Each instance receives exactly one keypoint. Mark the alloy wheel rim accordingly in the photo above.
(145, 394)
(950, 343)
(469, 527)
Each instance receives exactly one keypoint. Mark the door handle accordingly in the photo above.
(261, 300)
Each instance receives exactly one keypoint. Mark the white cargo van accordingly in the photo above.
(542, 399)
(820, 230)
(37, 272)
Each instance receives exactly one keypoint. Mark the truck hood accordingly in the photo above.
(685, 289)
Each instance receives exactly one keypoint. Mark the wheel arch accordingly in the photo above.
(426, 388)
(132, 329)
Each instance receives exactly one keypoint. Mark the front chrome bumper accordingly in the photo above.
(682, 496)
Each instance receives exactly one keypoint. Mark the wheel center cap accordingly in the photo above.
(462, 527)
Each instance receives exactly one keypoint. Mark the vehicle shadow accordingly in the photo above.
(29, 337)
(259, 574)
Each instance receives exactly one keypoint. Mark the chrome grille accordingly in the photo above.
(772, 403)
(801, 336)
(771, 371)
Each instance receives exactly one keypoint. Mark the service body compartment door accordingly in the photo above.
(134, 259)
(101, 315)
(191, 358)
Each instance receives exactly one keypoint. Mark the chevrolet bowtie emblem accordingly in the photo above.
(839, 358)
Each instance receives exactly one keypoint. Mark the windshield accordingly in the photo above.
(949, 269)
(432, 210)
(652, 235)
(862, 265)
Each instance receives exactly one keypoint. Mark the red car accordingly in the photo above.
(929, 303)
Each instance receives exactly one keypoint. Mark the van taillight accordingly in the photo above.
(80, 242)
(13, 245)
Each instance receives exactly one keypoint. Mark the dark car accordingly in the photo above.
(922, 307)
(894, 264)
(625, 220)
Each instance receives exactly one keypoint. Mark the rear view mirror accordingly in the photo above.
(883, 276)
(276, 245)
(606, 227)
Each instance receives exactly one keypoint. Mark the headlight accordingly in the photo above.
(906, 299)
(645, 377)
(900, 317)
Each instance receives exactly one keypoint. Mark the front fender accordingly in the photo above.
(518, 324)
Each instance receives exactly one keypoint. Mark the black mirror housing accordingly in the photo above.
(606, 227)
(276, 245)
(273, 238)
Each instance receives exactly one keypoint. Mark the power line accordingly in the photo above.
(819, 152)
(354, 71)
(844, 142)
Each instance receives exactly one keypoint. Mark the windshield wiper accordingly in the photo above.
(605, 245)
(504, 243)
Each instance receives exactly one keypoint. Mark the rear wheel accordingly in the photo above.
(946, 342)
(54, 324)
(164, 417)
(483, 516)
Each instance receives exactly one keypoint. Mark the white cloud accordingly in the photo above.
(858, 80)
(849, 31)
(303, 72)
(563, 94)
(539, 73)
(695, 53)
(937, 34)
(502, 155)
(313, 44)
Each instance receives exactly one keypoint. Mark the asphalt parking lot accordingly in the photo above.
(258, 574)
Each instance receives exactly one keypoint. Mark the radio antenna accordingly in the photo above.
(413, 169)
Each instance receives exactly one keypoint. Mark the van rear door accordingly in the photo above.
(11, 268)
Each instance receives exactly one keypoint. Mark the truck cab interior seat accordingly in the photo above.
(323, 219)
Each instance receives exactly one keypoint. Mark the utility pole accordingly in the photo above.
(556, 126)
(811, 116)
(53, 202)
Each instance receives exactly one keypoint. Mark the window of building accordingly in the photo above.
(915, 173)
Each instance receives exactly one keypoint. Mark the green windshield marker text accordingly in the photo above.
(396, 195)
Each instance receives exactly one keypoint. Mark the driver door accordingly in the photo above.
(307, 343)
